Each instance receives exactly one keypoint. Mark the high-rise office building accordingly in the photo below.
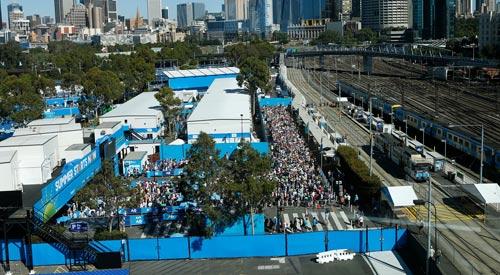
(236, 9)
(10, 8)
(1, 20)
(356, 8)
(109, 8)
(378, 15)
(77, 17)
(164, 13)
(484, 6)
(34, 20)
(15, 15)
(277, 9)
(188, 12)
(198, 10)
(184, 15)
(444, 24)
(417, 16)
(154, 10)
(62, 8)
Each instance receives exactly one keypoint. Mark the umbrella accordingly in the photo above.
(215, 197)
(63, 219)
(177, 235)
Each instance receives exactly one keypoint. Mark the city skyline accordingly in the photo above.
(126, 8)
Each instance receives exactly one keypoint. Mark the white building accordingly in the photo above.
(378, 15)
(154, 10)
(66, 130)
(36, 155)
(224, 113)
(9, 166)
(141, 115)
(489, 29)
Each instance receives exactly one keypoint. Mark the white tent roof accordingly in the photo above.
(177, 142)
(485, 192)
(400, 196)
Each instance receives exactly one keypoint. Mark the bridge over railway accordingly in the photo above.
(406, 52)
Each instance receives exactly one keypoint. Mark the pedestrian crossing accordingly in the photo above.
(335, 220)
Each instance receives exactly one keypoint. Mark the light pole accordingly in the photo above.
(241, 115)
(423, 202)
(321, 156)
(423, 138)
(371, 137)
(406, 126)
(482, 145)
(321, 89)
(416, 202)
(445, 143)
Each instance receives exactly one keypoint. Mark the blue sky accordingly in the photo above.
(125, 7)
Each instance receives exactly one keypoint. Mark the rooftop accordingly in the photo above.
(77, 147)
(6, 157)
(201, 72)
(135, 155)
(224, 99)
(52, 121)
(26, 140)
(107, 124)
(144, 104)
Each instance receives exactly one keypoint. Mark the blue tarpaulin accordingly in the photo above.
(98, 272)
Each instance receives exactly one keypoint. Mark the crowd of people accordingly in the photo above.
(294, 167)
(165, 165)
(154, 194)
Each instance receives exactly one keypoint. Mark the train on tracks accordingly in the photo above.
(456, 139)
(414, 163)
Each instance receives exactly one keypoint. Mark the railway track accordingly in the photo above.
(480, 251)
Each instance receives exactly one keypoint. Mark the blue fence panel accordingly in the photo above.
(402, 238)
(47, 254)
(108, 246)
(16, 250)
(389, 239)
(180, 151)
(275, 101)
(238, 246)
(306, 243)
(174, 248)
(352, 240)
(144, 249)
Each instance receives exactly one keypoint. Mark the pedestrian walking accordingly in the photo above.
(307, 212)
(432, 252)
(438, 256)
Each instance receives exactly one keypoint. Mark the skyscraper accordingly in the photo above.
(378, 15)
(236, 9)
(62, 7)
(445, 19)
(15, 12)
(198, 10)
(164, 13)
(184, 15)
(111, 10)
(1, 20)
(154, 10)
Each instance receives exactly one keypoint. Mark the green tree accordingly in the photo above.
(328, 37)
(104, 85)
(365, 35)
(466, 27)
(21, 97)
(109, 192)
(254, 74)
(171, 107)
(250, 175)
(205, 177)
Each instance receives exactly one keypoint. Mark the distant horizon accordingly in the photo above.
(126, 8)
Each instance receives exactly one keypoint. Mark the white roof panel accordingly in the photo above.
(400, 196)
(201, 72)
(6, 157)
(30, 140)
(52, 121)
(144, 104)
(224, 99)
(485, 192)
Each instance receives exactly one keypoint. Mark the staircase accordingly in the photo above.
(135, 135)
(76, 246)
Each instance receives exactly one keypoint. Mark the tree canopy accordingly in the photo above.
(254, 74)
(170, 105)
(225, 188)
